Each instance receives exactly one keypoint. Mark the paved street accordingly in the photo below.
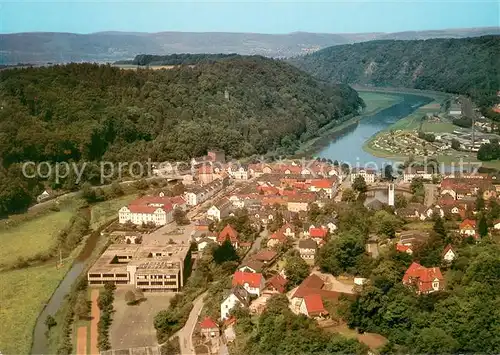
(186, 333)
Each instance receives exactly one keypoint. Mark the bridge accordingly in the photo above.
(380, 187)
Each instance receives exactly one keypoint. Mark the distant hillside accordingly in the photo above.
(43, 47)
(176, 59)
(465, 66)
(87, 112)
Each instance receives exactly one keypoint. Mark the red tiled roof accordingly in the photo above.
(278, 236)
(264, 255)
(208, 323)
(250, 278)
(322, 183)
(314, 304)
(422, 276)
(403, 248)
(317, 232)
(228, 232)
(468, 223)
(278, 282)
(148, 209)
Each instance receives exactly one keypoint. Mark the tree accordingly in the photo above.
(434, 341)
(480, 201)
(385, 223)
(388, 170)
(180, 217)
(50, 321)
(82, 305)
(455, 144)
(482, 226)
(225, 252)
(88, 192)
(342, 254)
(359, 184)
(116, 189)
(130, 298)
(139, 294)
(439, 227)
(348, 195)
(296, 270)
(417, 186)
(400, 201)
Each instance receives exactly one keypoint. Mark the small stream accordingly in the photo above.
(39, 345)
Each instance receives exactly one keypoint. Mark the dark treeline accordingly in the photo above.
(176, 59)
(87, 112)
(463, 66)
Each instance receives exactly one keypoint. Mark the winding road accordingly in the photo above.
(186, 333)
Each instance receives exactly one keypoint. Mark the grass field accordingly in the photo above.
(376, 101)
(107, 210)
(33, 236)
(24, 293)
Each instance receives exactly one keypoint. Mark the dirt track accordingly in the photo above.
(96, 315)
(81, 341)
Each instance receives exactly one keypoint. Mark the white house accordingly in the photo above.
(219, 210)
(237, 296)
(199, 194)
(254, 283)
(368, 174)
(449, 254)
(414, 172)
(239, 173)
(147, 209)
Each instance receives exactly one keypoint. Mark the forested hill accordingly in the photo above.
(469, 65)
(91, 112)
(176, 59)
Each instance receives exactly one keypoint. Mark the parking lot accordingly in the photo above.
(132, 326)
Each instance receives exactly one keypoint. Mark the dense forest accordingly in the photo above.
(463, 66)
(176, 59)
(87, 112)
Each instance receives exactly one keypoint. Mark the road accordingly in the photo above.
(186, 333)
(430, 194)
(256, 244)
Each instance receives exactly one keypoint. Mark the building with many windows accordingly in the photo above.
(149, 268)
(148, 209)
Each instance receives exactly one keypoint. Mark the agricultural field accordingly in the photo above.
(34, 235)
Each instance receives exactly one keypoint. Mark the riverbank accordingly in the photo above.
(374, 101)
(413, 123)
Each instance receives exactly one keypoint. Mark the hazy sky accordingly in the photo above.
(243, 16)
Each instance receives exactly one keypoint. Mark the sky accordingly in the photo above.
(242, 16)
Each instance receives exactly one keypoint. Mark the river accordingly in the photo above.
(347, 146)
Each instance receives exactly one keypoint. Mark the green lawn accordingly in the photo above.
(108, 210)
(24, 293)
(376, 101)
(33, 236)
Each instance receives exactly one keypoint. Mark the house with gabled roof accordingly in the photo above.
(276, 284)
(220, 209)
(252, 282)
(468, 228)
(449, 254)
(228, 233)
(308, 249)
(277, 238)
(425, 280)
(236, 296)
(312, 306)
(251, 265)
(208, 328)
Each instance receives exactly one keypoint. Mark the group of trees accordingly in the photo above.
(489, 151)
(279, 331)
(462, 66)
(88, 112)
(461, 319)
(105, 303)
(429, 137)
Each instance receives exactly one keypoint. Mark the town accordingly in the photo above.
(267, 230)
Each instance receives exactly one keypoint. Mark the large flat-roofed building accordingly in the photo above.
(149, 268)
